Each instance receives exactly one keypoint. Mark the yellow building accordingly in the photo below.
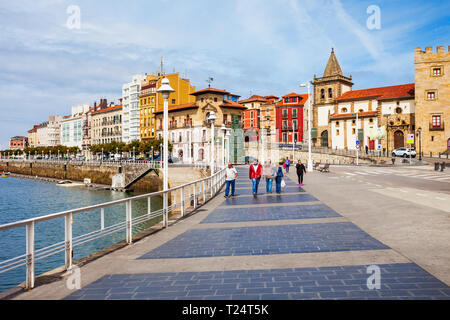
(151, 101)
(432, 96)
(32, 137)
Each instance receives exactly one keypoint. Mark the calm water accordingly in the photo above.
(22, 199)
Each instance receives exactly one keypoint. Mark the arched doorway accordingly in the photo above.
(399, 139)
(201, 154)
(180, 155)
(324, 137)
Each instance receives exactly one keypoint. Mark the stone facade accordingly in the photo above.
(106, 125)
(432, 99)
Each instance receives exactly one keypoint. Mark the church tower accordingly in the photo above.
(330, 86)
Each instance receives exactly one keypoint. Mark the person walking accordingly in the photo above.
(268, 175)
(278, 177)
(254, 174)
(287, 163)
(230, 180)
(367, 149)
(300, 170)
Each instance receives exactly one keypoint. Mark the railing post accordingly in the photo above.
(68, 241)
(102, 219)
(165, 210)
(30, 256)
(149, 206)
(129, 226)
(174, 205)
(182, 201)
(211, 186)
(195, 195)
(189, 195)
(204, 191)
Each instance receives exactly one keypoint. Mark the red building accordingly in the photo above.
(289, 117)
(18, 143)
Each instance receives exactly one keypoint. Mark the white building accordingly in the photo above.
(130, 110)
(72, 126)
(382, 109)
(48, 133)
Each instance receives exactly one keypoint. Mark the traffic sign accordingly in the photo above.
(379, 147)
(357, 142)
(410, 138)
(357, 146)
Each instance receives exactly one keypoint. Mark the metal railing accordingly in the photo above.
(191, 195)
(156, 164)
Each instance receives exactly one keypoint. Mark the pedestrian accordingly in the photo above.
(254, 174)
(268, 175)
(300, 170)
(288, 163)
(230, 179)
(279, 177)
(367, 149)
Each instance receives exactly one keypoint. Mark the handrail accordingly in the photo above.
(214, 182)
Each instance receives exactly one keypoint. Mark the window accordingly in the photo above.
(173, 101)
(398, 110)
(286, 100)
(294, 99)
(353, 131)
(437, 72)
(251, 123)
(285, 137)
(285, 113)
(201, 99)
(284, 124)
(294, 123)
(337, 132)
(294, 113)
(344, 110)
(360, 110)
(353, 121)
(436, 122)
(330, 93)
(337, 123)
(371, 120)
(431, 95)
(215, 99)
(322, 94)
(295, 136)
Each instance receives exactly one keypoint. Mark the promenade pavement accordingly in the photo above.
(275, 246)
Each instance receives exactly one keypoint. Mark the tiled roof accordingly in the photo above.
(353, 115)
(403, 90)
(117, 107)
(209, 90)
(301, 101)
(254, 98)
(179, 107)
(232, 104)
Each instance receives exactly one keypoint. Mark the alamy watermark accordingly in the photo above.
(74, 19)
(374, 20)
(374, 280)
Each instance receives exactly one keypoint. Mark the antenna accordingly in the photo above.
(210, 80)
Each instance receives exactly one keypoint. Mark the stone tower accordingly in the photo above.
(331, 85)
(432, 96)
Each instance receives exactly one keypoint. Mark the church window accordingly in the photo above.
(330, 93)
(398, 110)
(344, 110)
(431, 95)
(322, 94)
(437, 72)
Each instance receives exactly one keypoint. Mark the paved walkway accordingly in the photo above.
(286, 246)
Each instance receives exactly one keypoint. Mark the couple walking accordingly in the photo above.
(268, 172)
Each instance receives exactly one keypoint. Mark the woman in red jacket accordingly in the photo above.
(255, 173)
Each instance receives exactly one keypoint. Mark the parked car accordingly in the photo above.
(404, 152)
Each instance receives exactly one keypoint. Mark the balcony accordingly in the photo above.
(439, 127)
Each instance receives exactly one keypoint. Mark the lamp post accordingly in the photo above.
(227, 156)
(310, 168)
(224, 129)
(102, 155)
(212, 117)
(419, 133)
(165, 91)
(134, 154)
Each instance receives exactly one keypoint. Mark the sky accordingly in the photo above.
(262, 47)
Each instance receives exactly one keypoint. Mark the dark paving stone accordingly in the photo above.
(262, 191)
(299, 289)
(259, 240)
(270, 213)
(273, 198)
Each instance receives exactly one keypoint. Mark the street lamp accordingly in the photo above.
(419, 133)
(134, 154)
(212, 117)
(165, 91)
(224, 129)
(310, 168)
(227, 137)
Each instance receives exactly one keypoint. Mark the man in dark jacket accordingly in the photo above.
(300, 170)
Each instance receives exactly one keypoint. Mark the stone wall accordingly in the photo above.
(99, 174)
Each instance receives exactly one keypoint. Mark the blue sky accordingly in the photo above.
(248, 46)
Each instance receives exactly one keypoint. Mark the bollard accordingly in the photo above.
(442, 166)
(436, 166)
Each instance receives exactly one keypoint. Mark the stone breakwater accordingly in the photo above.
(98, 174)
